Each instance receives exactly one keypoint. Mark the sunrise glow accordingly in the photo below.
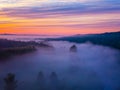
(59, 16)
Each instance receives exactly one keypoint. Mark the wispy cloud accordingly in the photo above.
(62, 9)
(60, 13)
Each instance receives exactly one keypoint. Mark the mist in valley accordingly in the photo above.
(92, 67)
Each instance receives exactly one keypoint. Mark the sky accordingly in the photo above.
(62, 17)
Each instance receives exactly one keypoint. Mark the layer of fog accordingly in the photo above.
(91, 68)
(27, 37)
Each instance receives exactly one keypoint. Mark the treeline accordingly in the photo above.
(4, 43)
(10, 48)
(8, 52)
(106, 39)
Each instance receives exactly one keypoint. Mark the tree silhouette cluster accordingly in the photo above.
(11, 83)
(52, 84)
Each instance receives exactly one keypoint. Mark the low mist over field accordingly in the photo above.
(92, 67)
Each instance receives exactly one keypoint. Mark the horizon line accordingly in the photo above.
(54, 34)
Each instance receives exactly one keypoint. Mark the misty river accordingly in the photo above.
(92, 67)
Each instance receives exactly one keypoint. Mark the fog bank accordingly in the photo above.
(92, 67)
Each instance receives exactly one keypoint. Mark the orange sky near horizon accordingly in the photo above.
(59, 18)
(56, 30)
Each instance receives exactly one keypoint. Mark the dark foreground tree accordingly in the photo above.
(41, 81)
(10, 82)
(54, 82)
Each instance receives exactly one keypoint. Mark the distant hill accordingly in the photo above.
(10, 48)
(7, 34)
(107, 39)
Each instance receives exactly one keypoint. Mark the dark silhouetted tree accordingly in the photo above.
(41, 81)
(73, 48)
(54, 82)
(10, 82)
